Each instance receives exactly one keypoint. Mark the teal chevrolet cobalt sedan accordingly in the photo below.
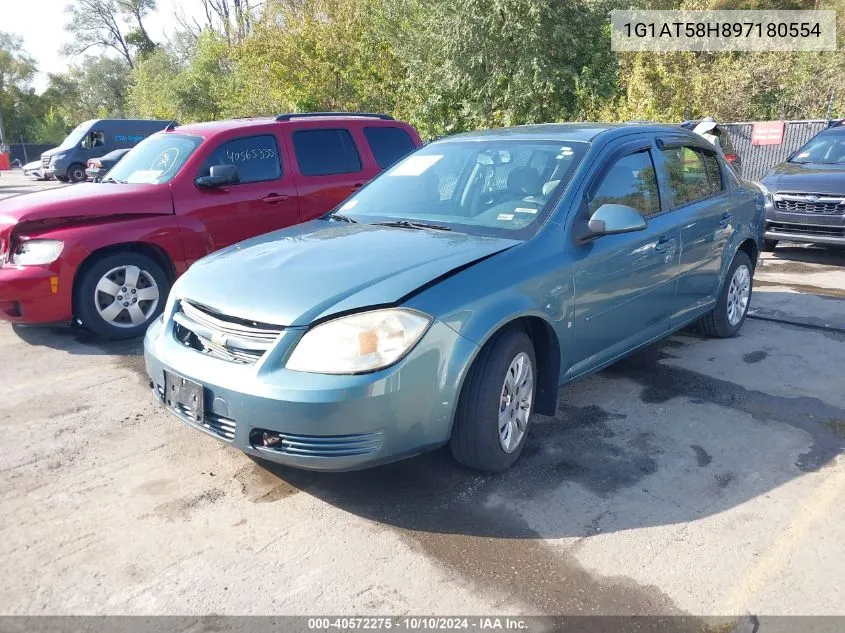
(452, 297)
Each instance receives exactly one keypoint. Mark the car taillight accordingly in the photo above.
(731, 158)
(94, 163)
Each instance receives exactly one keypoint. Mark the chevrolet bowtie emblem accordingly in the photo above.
(219, 338)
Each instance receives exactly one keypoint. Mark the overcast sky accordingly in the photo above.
(41, 24)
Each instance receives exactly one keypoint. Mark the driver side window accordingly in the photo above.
(631, 180)
(256, 157)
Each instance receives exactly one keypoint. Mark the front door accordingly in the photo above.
(624, 284)
(265, 199)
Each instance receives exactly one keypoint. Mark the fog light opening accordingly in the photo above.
(260, 438)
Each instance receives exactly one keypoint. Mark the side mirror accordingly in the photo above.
(219, 176)
(612, 219)
(86, 142)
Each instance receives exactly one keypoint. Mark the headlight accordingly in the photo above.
(56, 157)
(359, 342)
(767, 195)
(34, 252)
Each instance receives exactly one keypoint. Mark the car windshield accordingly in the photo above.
(827, 149)
(75, 137)
(499, 188)
(156, 159)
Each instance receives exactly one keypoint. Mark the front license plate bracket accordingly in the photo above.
(184, 396)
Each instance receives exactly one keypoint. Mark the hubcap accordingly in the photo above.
(126, 296)
(515, 404)
(739, 293)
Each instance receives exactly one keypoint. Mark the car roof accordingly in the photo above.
(211, 128)
(567, 131)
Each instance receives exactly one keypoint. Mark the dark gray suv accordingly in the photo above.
(806, 194)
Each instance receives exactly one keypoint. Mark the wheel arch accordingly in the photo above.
(546, 353)
(749, 246)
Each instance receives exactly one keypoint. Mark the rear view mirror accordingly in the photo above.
(494, 157)
(219, 176)
(612, 219)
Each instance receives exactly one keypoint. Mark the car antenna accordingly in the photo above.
(171, 126)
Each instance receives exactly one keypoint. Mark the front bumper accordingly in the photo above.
(325, 422)
(819, 228)
(33, 294)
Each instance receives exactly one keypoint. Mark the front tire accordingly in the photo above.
(727, 317)
(495, 405)
(120, 294)
(76, 173)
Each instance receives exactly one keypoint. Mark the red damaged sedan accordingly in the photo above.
(105, 255)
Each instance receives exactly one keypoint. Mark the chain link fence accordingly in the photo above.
(758, 159)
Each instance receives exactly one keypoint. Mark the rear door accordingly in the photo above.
(701, 200)
(263, 201)
(624, 284)
(329, 165)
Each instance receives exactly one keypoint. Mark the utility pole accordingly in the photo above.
(2, 133)
(829, 104)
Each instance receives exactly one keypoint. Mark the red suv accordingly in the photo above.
(106, 254)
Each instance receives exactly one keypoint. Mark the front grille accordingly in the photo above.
(315, 445)
(806, 229)
(810, 203)
(229, 338)
(220, 426)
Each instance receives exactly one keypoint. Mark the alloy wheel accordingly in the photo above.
(739, 292)
(515, 403)
(126, 296)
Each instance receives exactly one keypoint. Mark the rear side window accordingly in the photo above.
(688, 177)
(631, 181)
(389, 144)
(256, 157)
(325, 152)
(714, 174)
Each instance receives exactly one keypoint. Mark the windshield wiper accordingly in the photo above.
(339, 217)
(408, 224)
(110, 179)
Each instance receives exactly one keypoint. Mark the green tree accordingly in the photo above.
(18, 101)
(479, 63)
(110, 24)
(94, 88)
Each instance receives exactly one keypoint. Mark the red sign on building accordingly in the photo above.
(767, 133)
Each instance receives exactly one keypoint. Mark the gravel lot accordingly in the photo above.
(698, 477)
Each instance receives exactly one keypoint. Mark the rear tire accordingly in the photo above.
(76, 173)
(496, 403)
(769, 245)
(727, 317)
(120, 294)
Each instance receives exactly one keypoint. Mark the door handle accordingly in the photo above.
(725, 220)
(665, 243)
(274, 198)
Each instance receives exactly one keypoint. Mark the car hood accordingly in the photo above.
(299, 275)
(86, 200)
(806, 178)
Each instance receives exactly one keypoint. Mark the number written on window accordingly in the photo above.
(256, 157)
